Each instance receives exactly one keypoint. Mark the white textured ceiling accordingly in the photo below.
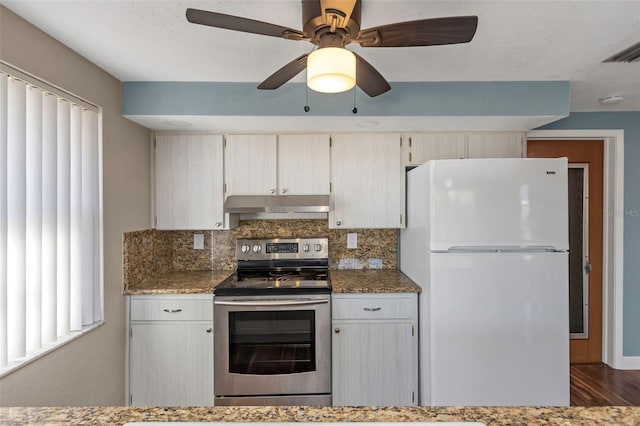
(516, 40)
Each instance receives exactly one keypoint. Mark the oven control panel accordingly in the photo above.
(282, 248)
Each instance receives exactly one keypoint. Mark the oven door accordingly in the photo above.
(272, 345)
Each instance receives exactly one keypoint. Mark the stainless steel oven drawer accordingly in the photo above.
(278, 400)
(172, 308)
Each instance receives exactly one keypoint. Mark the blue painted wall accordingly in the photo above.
(630, 123)
(464, 98)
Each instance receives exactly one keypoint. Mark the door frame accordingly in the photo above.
(584, 256)
(613, 232)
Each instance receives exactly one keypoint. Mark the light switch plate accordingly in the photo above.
(352, 240)
(198, 241)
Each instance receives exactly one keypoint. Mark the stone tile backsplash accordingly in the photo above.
(151, 252)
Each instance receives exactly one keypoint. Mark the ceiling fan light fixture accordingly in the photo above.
(331, 70)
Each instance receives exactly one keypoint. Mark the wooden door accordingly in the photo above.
(588, 156)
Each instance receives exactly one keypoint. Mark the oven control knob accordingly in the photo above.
(305, 247)
(257, 248)
(245, 248)
(318, 247)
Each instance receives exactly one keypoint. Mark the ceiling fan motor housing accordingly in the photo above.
(319, 32)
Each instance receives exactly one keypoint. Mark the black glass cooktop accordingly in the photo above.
(261, 283)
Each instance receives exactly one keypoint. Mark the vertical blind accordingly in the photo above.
(50, 219)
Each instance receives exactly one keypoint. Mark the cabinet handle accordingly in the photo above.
(218, 224)
(273, 191)
(337, 330)
(284, 190)
(338, 223)
(172, 311)
(372, 309)
(209, 330)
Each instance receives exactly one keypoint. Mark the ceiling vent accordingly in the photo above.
(630, 54)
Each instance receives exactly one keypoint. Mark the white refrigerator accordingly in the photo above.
(487, 240)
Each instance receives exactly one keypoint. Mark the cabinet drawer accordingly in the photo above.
(374, 308)
(171, 309)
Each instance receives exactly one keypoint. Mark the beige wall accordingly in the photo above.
(91, 369)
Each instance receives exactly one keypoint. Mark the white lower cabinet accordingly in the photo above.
(171, 350)
(375, 349)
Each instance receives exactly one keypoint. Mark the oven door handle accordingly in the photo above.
(282, 302)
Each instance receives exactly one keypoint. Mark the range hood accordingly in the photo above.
(276, 204)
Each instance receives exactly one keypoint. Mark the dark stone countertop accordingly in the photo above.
(371, 281)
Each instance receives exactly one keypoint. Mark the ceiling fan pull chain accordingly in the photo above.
(306, 99)
(355, 109)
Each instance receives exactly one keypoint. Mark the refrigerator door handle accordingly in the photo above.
(500, 249)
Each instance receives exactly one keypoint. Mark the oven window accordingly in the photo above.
(272, 342)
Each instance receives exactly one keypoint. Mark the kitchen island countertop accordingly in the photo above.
(371, 281)
(487, 415)
(183, 282)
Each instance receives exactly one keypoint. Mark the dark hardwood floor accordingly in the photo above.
(598, 384)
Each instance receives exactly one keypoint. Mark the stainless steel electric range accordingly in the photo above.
(272, 325)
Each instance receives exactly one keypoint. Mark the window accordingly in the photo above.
(50, 217)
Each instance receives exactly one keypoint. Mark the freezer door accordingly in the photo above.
(497, 202)
(497, 330)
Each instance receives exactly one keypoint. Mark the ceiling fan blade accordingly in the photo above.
(424, 32)
(369, 79)
(236, 23)
(285, 73)
(338, 11)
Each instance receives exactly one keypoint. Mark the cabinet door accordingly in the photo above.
(367, 176)
(435, 146)
(495, 145)
(171, 364)
(303, 164)
(373, 363)
(250, 164)
(189, 182)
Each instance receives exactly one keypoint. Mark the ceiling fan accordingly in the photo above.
(335, 24)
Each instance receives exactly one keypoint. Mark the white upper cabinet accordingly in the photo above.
(250, 165)
(495, 144)
(367, 176)
(423, 147)
(189, 182)
(303, 164)
(277, 165)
